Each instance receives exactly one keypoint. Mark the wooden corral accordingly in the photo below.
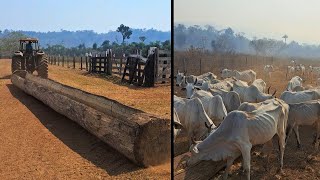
(110, 64)
(141, 137)
(163, 67)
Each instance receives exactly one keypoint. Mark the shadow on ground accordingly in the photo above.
(6, 77)
(76, 137)
(117, 80)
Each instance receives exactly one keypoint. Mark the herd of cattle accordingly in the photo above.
(224, 118)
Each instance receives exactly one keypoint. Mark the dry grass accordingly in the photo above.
(155, 100)
(298, 163)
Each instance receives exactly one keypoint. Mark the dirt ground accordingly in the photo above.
(154, 100)
(298, 163)
(38, 143)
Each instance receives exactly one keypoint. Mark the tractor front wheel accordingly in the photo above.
(43, 67)
(16, 63)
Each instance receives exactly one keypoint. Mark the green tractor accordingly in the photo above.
(30, 58)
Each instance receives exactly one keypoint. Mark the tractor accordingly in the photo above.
(30, 58)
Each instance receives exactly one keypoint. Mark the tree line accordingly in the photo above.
(10, 43)
(228, 42)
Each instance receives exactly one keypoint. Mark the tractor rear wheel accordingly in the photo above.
(16, 63)
(42, 69)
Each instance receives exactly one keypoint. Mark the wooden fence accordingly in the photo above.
(163, 66)
(107, 63)
(96, 64)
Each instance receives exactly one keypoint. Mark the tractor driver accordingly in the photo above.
(29, 47)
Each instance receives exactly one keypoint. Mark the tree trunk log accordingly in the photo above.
(141, 137)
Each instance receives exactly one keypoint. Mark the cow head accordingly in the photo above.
(191, 88)
(179, 78)
(226, 73)
(209, 128)
(195, 153)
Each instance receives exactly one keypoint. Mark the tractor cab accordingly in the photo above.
(29, 45)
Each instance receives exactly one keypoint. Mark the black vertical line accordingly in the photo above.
(172, 87)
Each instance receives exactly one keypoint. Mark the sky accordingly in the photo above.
(97, 15)
(299, 19)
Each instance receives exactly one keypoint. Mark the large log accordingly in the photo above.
(142, 137)
(201, 171)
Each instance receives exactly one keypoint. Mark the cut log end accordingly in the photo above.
(153, 145)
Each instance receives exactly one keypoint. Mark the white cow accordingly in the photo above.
(177, 125)
(180, 79)
(252, 94)
(290, 71)
(301, 96)
(305, 113)
(260, 84)
(213, 106)
(267, 70)
(239, 132)
(295, 81)
(193, 117)
(209, 77)
(248, 75)
(302, 69)
(231, 99)
(315, 72)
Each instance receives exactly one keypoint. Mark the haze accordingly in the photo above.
(97, 15)
(272, 18)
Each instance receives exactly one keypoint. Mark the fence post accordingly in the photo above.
(81, 63)
(86, 63)
(74, 61)
(62, 61)
(68, 62)
(109, 61)
(105, 68)
(58, 60)
(120, 68)
(200, 66)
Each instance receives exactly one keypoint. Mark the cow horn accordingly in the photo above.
(185, 80)
(274, 93)
(205, 123)
(195, 82)
(193, 141)
(269, 89)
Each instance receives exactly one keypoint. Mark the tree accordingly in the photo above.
(223, 44)
(10, 42)
(94, 46)
(285, 38)
(105, 45)
(142, 38)
(180, 35)
(125, 32)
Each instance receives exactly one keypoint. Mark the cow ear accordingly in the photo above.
(197, 88)
(183, 89)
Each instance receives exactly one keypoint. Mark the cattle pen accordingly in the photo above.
(298, 163)
(113, 64)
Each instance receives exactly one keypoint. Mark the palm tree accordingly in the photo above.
(285, 38)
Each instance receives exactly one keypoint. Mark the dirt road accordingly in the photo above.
(38, 143)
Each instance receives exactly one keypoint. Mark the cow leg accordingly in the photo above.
(267, 149)
(230, 161)
(282, 143)
(317, 137)
(246, 150)
(296, 132)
